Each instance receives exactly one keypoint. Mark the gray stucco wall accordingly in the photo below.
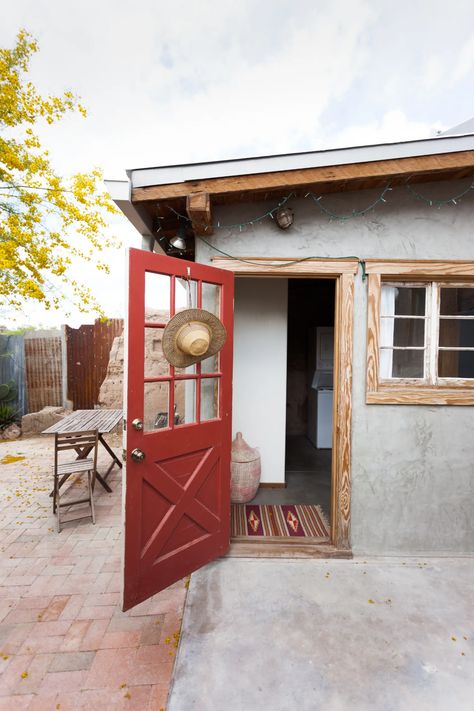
(412, 466)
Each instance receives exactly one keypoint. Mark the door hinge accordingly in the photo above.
(124, 455)
(124, 424)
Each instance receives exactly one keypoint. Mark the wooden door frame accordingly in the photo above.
(343, 271)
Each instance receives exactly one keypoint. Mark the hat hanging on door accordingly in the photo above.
(192, 335)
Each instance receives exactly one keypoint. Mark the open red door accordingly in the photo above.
(178, 429)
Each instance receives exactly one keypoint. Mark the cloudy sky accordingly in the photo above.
(185, 81)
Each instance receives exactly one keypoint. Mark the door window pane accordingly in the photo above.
(403, 301)
(401, 364)
(156, 406)
(456, 332)
(185, 294)
(211, 364)
(211, 298)
(189, 370)
(184, 401)
(155, 362)
(157, 297)
(403, 332)
(209, 398)
(457, 302)
(456, 364)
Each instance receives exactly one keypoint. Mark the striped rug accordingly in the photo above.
(282, 521)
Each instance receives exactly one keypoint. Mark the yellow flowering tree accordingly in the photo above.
(45, 220)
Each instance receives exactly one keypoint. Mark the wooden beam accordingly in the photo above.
(198, 207)
(293, 179)
(422, 268)
(278, 266)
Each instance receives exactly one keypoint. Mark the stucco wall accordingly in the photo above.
(412, 466)
(259, 392)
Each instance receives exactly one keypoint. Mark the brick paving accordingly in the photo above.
(65, 644)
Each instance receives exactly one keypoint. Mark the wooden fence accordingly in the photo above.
(88, 349)
(61, 368)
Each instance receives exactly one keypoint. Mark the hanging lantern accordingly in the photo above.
(284, 217)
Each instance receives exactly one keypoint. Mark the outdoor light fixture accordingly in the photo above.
(179, 240)
(284, 217)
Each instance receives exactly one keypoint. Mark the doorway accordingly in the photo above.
(309, 400)
(342, 272)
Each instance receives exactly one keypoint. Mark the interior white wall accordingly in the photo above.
(259, 390)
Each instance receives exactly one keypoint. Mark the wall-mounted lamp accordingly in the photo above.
(179, 240)
(284, 217)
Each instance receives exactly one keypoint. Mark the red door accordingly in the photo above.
(177, 497)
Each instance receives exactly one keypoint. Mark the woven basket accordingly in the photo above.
(245, 471)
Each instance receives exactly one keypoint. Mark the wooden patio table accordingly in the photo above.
(82, 420)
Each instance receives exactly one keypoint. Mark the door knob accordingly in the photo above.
(137, 424)
(137, 455)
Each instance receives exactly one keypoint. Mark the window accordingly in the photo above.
(420, 340)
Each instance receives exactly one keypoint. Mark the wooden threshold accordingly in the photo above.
(269, 485)
(271, 549)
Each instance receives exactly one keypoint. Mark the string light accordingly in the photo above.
(355, 213)
(239, 225)
(317, 200)
(434, 202)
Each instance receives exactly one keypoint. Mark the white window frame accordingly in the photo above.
(431, 345)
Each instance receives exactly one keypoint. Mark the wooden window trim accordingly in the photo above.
(380, 392)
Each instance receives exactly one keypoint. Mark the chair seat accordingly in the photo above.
(79, 465)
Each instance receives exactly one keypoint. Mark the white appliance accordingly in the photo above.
(320, 409)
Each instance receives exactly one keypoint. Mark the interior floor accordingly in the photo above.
(308, 476)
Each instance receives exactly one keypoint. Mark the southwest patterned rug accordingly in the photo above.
(282, 521)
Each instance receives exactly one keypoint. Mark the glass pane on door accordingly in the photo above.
(209, 398)
(185, 294)
(155, 362)
(156, 406)
(184, 402)
(211, 298)
(157, 297)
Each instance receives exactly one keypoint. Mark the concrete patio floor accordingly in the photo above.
(64, 641)
(361, 635)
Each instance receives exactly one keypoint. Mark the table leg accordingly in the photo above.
(115, 459)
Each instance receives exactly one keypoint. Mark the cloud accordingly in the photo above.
(391, 127)
(465, 62)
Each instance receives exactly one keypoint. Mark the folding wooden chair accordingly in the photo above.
(83, 443)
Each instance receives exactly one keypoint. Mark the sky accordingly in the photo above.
(187, 81)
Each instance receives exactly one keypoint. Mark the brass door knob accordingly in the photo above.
(137, 455)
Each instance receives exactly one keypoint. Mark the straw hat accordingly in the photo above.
(192, 335)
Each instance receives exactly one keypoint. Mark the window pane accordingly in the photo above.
(403, 301)
(456, 332)
(401, 364)
(189, 370)
(457, 302)
(185, 294)
(157, 297)
(155, 362)
(211, 298)
(209, 398)
(402, 332)
(184, 402)
(211, 364)
(456, 364)
(156, 408)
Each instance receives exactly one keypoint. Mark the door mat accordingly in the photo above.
(282, 521)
